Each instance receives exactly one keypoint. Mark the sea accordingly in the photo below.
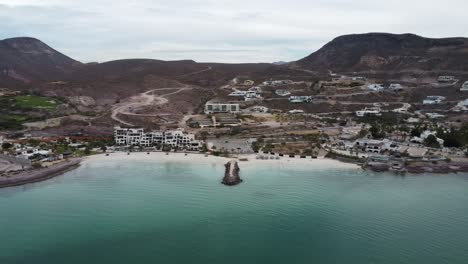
(179, 212)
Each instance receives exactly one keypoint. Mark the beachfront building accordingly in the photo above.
(174, 138)
(433, 99)
(128, 136)
(464, 87)
(300, 99)
(213, 108)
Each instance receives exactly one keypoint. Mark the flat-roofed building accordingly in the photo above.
(213, 108)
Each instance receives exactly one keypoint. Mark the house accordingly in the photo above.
(238, 93)
(376, 87)
(300, 99)
(277, 83)
(425, 135)
(248, 82)
(213, 108)
(127, 136)
(413, 120)
(256, 89)
(252, 96)
(369, 111)
(433, 99)
(258, 109)
(464, 87)
(296, 111)
(395, 87)
(434, 115)
(370, 145)
(282, 92)
(446, 79)
(358, 78)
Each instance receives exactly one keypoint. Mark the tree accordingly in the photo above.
(6, 146)
(377, 131)
(416, 132)
(87, 151)
(431, 141)
(104, 148)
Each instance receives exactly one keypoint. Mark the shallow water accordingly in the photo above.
(150, 212)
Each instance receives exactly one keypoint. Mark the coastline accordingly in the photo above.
(245, 161)
(37, 175)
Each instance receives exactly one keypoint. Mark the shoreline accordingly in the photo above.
(245, 160)
(38, 175)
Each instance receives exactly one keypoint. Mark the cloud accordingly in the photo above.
(218, 30)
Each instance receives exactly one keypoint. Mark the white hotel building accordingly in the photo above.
(174, 138)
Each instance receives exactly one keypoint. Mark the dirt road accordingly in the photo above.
(144, 99)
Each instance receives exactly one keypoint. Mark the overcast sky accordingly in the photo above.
(219, 30)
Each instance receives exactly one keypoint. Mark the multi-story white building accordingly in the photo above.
(128, 136)
(213, 108)
(174, 138)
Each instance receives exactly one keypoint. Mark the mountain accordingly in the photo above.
(28, 59)
(388, 52)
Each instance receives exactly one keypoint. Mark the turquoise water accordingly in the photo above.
(112, 212)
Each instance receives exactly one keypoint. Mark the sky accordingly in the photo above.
(230, 31)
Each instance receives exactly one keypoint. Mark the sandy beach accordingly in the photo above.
(202, 159)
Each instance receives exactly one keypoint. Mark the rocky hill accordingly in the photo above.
(388, 52)
(29, 59)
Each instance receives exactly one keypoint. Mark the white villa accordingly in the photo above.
(258, 109)
(282, 92)
(213, 108)
(375, 87)
(296, 111)
(369, 111)
(395, 87)
(174, 138)
(433, 100)
(277, 83)
(446, 79)
(252, 96)
(425, 135)
(238, 93)
(464, 87)
(300, 99)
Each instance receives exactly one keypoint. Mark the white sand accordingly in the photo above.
(201, 159)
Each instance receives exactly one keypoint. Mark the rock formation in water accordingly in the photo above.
(231, 174)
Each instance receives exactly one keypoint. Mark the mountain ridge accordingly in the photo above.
(388, 52)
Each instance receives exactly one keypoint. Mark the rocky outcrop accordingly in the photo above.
(231, 174)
